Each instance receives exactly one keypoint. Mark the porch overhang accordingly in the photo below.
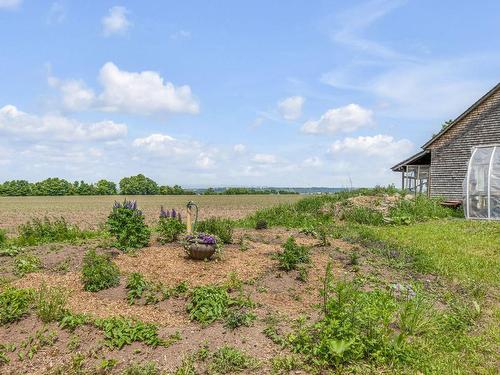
(421, 158)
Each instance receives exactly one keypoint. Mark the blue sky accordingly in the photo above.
(283, 93)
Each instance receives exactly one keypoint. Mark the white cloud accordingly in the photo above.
(344, 119)
(10, 4)
(239, 148)
(56, 127)
(116, 21)
(264, 158)
(378, 145)
(205, 161)
(313, 161)
(291, 108)
(144, 92)
(57, 13)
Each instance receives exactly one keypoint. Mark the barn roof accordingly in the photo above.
(470, 109)
(420, 158)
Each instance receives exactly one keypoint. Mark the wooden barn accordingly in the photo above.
(442, 167)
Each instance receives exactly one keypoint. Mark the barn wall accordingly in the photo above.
(451, 152)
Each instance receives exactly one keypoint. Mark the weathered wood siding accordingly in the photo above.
(451, 152)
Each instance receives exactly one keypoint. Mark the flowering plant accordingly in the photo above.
(202, 238)
(169, 226)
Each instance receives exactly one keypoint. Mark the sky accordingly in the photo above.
(233, 93)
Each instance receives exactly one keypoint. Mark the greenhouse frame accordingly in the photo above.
(482, 183)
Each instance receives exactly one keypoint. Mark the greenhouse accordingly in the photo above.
(482, 184)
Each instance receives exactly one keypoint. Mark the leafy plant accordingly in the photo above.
(292, 255)
(169, 226)
(26, 263)
(207, 304)
(10, 250)
(222, 228)
(119, 332)
(3, 237)
(136, 284)
(14, 304)
(40, 231)
(50, 303)
(126, 224)
(32, 345)
(99, 272)
(322, 234)
(285, 364)
(72, 321)
(230, 360)
(147, 368)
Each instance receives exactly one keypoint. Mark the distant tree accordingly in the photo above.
(138, 185)
(53, 186)
(210, 191)
(16, 188)
(82, 188)
(105, 187)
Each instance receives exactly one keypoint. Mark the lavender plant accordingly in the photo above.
(126, 224)
(169, 226)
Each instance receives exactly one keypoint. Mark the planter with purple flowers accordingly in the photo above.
(200, 246)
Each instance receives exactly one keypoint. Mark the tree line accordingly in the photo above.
(133, 185)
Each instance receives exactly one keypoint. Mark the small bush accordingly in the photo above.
(14, 304)
(26, 263)
(50, 303)
(99, 272)
(169, 229)
(41, 231)
(207, 304)
(126, 224)
(238, 318)
(229, 360)
(292, 255)
(261, 224)
(222, 228)
(136, 284)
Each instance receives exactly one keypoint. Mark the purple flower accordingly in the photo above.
(174, 214)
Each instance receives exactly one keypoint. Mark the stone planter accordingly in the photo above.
(200, 251)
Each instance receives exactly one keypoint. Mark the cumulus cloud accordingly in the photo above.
(344, 119)
(313, 161)
(264, 158)
(143, 93)
(378, 145)
(56, 127)
(116, 22)
(10, 4)
(291, 108)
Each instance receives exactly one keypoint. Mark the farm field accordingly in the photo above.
(324, 287)
(89, 211)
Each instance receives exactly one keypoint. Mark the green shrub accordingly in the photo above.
(72, 321)
(238, 318)
(207, 304)
(292, 255)
(40, 231)
(261, 224)
(169, 229)
(222, 228)
(126, 224)
(14, 304)
(26, 263)
(229, 360)
(3, 237)
(136, 284)
(50, 303)
(120, 332)
(99, 272)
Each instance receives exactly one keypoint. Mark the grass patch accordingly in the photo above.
(40, 231)
(230, 360)
(222, 228)
(50, 303)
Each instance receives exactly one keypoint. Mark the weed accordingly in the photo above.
(353, 258)
(72, 321)
(322, 234)
(107, 364)
(186, 367)
(50, 303)
(3, 237)
(421, 208)
(261, 224)
(136, 284)
(271, 330)
(285, 364)
(207, 304)
(26, 263)
(363, 215)
(14, 304)
(303, 274)
(233, 282)
(99, 272)
(292, 255)
(222, 228)
(32, 345)
(229, 360)
(147, 368)
(63, 266)
(10, 250)
(126, 224)
(238, 318)
(414, 316)
(74, 343)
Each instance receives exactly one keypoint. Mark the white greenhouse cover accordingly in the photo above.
(482, 184)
